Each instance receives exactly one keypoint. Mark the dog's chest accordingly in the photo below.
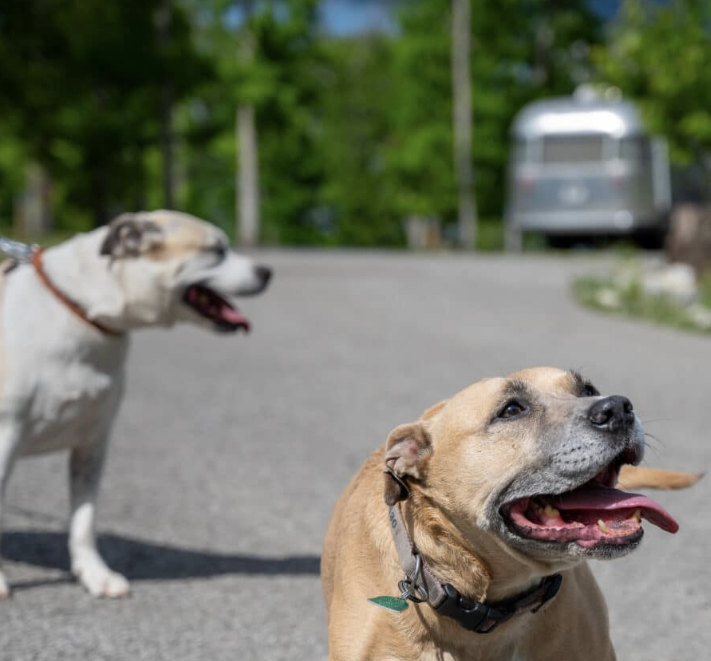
(505, 653)
(70, 405)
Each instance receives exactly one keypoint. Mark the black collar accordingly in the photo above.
(421, 584)
(481, 617)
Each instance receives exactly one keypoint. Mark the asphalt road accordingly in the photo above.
(230, 452)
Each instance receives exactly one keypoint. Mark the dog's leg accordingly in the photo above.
(86, 465)
(7, 457)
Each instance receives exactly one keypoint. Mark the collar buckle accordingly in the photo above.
(470, 615)
(413, 587)
(482, 618)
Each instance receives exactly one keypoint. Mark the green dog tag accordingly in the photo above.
(394, 604)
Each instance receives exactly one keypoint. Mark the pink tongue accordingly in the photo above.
(607, 499)
(234, 316)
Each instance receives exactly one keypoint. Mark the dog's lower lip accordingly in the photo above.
(538, 520)
(589, 516)
(593, 514)
(212, 306)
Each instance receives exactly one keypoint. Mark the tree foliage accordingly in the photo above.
(80, 86)
(358, 205)
(659, 55)
(281, 81)
(355, 134)
(520, 51)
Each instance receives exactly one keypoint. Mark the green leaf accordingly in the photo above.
(394, 604)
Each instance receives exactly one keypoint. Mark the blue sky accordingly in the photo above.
(344, 17)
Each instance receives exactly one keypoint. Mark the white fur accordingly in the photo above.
(61, 379)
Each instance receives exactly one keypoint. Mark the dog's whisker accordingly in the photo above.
(651, 447)
(654, 450)
(655, 438)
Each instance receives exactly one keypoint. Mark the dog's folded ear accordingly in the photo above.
(433, 410)
(407, 452)
(129, 235)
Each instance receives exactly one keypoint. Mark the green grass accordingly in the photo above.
(631, 301)
(705, 289)
(490, 237)
(48, 239)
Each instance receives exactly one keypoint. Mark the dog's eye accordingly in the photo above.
(512, 409)
(219, 251)
(589, 390)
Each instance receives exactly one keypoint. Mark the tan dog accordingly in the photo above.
(501, 493)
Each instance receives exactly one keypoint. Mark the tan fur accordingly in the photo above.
(638, 477)
(181, 237)
(448, 493)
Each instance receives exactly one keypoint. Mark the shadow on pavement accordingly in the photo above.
(141, 560)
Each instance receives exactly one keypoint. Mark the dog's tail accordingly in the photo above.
(638, 477)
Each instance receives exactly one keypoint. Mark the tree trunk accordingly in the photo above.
(463, 122)
(247, 151)
(248, 184)
(689, 238)
(167, 138)
(33, 209)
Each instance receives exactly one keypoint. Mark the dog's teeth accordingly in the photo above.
(635, 516)
(551, 512)
(603, 526)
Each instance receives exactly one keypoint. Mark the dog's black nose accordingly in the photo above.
(264, 273)
(612, 413)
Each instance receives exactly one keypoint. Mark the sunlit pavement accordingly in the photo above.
(230, 452)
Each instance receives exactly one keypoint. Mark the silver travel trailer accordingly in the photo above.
(583, 166)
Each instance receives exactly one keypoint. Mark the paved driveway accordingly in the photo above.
(229, 454)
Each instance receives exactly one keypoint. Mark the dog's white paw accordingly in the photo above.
(4, 587)
(100, 581)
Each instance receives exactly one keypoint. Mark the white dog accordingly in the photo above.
(64, 326)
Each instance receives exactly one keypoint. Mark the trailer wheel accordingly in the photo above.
(563, 241)
(650, 239)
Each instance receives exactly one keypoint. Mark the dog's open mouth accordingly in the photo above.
(212, 306)
(594, 514)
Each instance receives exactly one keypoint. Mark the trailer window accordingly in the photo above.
(572, 149)
(519, 151)
(635, 149)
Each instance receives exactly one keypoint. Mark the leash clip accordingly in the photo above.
(20, 252)
(413, 587)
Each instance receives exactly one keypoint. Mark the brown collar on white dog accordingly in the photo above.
(68, 302)
(420, 585)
